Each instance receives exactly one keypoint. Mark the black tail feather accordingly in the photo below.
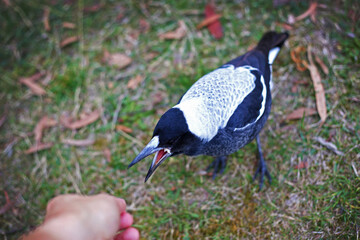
(270, 40)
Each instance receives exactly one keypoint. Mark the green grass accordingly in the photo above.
(320, 202)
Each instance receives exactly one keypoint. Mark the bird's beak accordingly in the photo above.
(160, 156)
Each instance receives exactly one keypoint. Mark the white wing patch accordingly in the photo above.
(272, 54)
(211, 101)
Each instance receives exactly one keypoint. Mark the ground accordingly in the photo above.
(315, 190)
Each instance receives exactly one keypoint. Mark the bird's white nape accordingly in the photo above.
(272, 54)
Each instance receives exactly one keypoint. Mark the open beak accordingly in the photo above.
(150, 148)
(160, 156)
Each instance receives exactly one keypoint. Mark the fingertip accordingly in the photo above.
(126, 220)
(121, 203)
(129, 234)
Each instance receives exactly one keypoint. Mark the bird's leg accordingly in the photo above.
(218, 164)
(262, 169)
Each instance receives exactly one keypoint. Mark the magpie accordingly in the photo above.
(221, 112)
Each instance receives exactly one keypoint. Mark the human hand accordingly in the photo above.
(86, 217)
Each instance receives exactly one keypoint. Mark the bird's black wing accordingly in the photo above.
(252, 107)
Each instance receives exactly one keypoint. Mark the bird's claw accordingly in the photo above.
(218, 165)
(262, 169)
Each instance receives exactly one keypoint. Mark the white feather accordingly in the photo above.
(272, 54)
(211, 101)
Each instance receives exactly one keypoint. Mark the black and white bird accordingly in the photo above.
(221, 112)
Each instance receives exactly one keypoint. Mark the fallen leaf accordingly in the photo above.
(7, 206)
(285, 26)
(69, 25)
(68, 41)
(179, 33)
(310, 11)
(151, 55)
(118, 60)
(34, 87)
(301, 165)
(322, 65)
(329, 145)
(144, 25)
(39, 147)
(86, 120)
(123, 128)
(300, 113)
(34, 77)
(296, 57)
(134, 82)
(110, 85)
(46, 19)
(215, 28)
(7, 3)
(44, 122)
(318, 87)
(93, 8)
(208, 21)
(79, 142)
(107, 154)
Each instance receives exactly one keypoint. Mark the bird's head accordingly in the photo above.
(171, 137)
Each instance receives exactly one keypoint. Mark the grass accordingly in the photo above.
(319, 202)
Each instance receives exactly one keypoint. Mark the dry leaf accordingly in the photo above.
(144, 25)
(179, 33)
(110, 85)
(151, 55)
(300, 112)
(285, 26)
(69, 25)
(135, 81)
(46, 19)
(7, 3)
(318, 87)
(208, 21)
(301, 165)
(79, 142)
(34, 87)
(7, 206)
(39, 147)
(68, 41)
(44, 122)
(324, 68)
(34, 77)
(215, 28)
(329, 145)
(123, 128)
(86, 120)
(118, 60)
(107, 154)
(311, 11)
(296, 57)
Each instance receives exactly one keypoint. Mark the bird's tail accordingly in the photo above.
(270, 44)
